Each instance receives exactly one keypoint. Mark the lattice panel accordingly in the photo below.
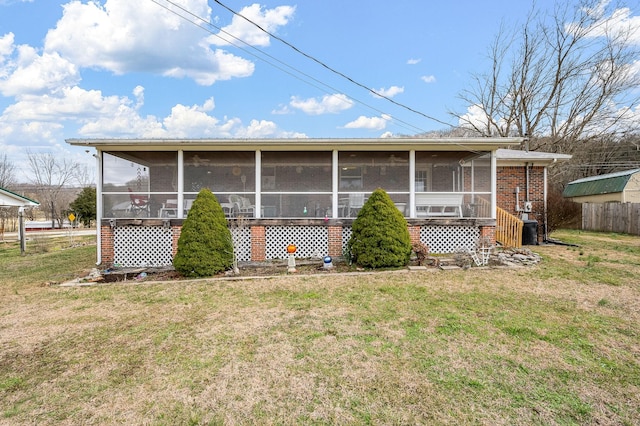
(440, 239)
(449, 239)
(312, 241)
(242, 243)
(142, 246)
(346, 236)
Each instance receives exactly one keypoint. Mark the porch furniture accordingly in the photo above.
(169, 208)
(228, 209)
(350, 206)
(402, 207)
(439, 205)
(187, 206)
(139, 203)
(242, 205)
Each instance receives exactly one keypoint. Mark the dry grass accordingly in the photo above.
(552, 344)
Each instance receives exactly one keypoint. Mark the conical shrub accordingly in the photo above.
(379, 237)
(205, 246)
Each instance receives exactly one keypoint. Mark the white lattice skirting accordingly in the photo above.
(449, 239)
(311, 241)
(142, 246)
(440, 239)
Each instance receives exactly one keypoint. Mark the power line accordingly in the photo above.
(404, 124)
(333, 70)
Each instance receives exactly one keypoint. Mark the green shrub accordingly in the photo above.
(205, 247)
(379, 237)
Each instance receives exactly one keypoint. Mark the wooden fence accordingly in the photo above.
(611, 217)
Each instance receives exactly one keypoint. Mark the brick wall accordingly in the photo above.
(106, 244)
(335, 240)
(258, 243)
(508, 178)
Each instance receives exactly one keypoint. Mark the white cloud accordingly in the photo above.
(30, 73)
(370, 123)
(269, 19)
(413, 61)
(123, 36)
(329, 104)
(6, 45)
(474, 118)
(390, 92)
(428, 78)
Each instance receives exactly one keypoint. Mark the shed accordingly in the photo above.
(622, 187)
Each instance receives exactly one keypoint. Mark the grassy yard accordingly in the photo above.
(557, 343)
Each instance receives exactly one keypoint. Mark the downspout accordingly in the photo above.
(545, 190)
(526, 181)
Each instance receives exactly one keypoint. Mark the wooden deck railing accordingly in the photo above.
(508, 229)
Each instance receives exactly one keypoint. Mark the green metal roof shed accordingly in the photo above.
(623, 187)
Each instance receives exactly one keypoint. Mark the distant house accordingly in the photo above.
(308, 191)
(11, 199)
(621, 187)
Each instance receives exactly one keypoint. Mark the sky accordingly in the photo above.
(193, 69)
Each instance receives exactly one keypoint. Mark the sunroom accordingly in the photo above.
(289, 189)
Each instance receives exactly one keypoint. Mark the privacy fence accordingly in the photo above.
(611, 217)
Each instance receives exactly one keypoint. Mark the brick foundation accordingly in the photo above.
(335, 240)
(106, 244)
(258, 243)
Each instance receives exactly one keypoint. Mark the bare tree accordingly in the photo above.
(50, 175)
(560, 79)
(7, 172)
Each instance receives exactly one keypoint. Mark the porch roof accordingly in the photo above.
(538, 158)
(301, 144)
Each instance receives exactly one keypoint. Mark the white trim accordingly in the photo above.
(180, 211)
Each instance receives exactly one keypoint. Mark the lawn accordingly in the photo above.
(556, 343)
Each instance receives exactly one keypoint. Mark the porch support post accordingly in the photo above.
(180, 207)
(334, 184)
(99, 204)
(494, 195)
(412, 183)
(258, 210)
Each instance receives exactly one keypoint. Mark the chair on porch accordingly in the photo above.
(242, 205)
(139, 203)
(356, 201)
(169, 208)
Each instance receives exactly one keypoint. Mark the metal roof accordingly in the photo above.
(596, 185)
(11, 199)
(520, 157)
(304, 144)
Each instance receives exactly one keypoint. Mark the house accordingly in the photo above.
(11, 199)
(621, 187)
(303, 191)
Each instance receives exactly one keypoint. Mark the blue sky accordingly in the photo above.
(122, 68)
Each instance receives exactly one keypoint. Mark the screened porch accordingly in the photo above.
(331, 184)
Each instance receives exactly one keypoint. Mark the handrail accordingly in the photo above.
(508, 229)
